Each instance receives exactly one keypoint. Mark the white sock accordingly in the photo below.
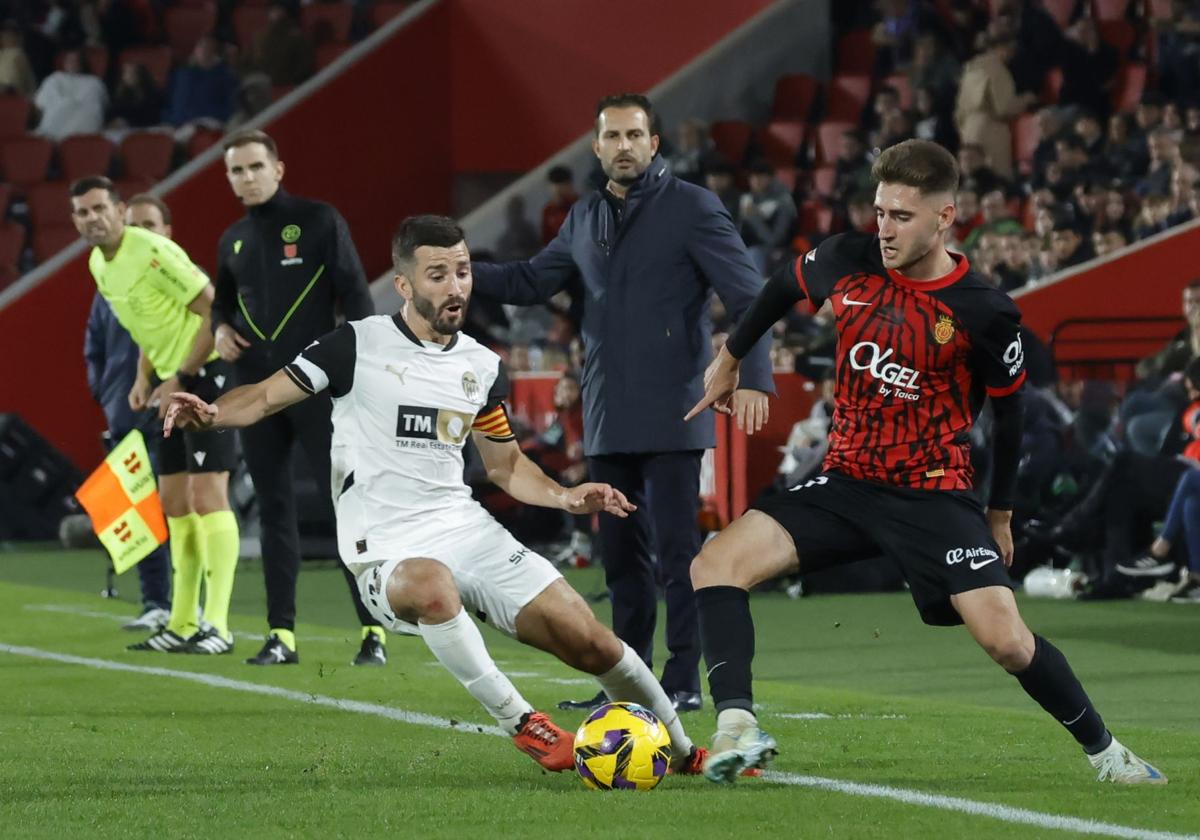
(734, 722)
(631, 680)
(459, 646)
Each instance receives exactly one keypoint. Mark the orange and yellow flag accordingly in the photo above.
(121, 498)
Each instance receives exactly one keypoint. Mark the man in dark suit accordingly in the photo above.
(650, 249)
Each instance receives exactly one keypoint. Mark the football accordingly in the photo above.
(622, 746)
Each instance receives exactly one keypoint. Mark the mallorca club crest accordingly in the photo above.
(943, 330)
(470, 386)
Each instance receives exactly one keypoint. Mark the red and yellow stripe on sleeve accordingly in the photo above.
(494, 424)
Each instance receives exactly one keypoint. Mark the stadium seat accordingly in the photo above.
(1120, 34)
(84, 154)
(381, 13)
(96, 59)
(49, 203)
(12, 241)
(26, 160)
(823, 178)
(815, 217)
(155, 59)
(127, 187)
(1052, 85)
(184, 25)
(327, 23)
(794, 97)
(1025, 137)
(329, 53)
(1060, 10)
(5, 195)
(1131, 81)
(846, 97)
(732, 138)
(904, 87)
(1104, 10)
(1160, 9)
(856, 53)
(829, 139)
(14, 115)
(201, 140)
(48, 240)
(781, 141)
(787, 176)
(248, 21)
(147, 154)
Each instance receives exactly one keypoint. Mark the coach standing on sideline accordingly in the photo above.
(650, 249)
(282, 269)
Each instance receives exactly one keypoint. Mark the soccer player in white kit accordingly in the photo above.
(407, 391)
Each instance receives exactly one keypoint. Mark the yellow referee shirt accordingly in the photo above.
(149, 284)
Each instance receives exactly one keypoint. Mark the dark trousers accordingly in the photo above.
(666, 488)
(267, 448)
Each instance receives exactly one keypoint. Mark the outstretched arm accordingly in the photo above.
(243, 406)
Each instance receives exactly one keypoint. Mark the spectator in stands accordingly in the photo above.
(860, 212)
(987, 100)
(996, 219)
(975, 169)
(1164, 158)
(1051, 123)
(767, 215)
(1178, 49)
(202, 91)
(720, 176)
(71, 100)
(896, 128)
(283, 50)
(1090, 130)
(16, 73)
(519, 240)
(1014, 265)
(1152, 219)
(1072, 159)
(1038, 41)
(1116, 213)
(1089, 68)
(1174, 357)
(1067, 242)
(852, 170)
(1172, 120)
(562, 196)
(692, 144)
(1146, 118)
(885, 101)
(254, 95)
(1184, 184)
(1189, 145)
(896, 33)
(1106, 241)
(935, 70)
(932, 123)
(137, 101)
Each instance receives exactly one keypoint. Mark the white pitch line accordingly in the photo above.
(67, 609)
(1004, 813)
(827, 716)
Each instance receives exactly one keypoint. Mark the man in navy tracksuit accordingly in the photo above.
(650, 249)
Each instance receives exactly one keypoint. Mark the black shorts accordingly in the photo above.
(202, 452)
(939, 538)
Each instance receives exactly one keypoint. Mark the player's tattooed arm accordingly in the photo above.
(241, 407)
(510, 470)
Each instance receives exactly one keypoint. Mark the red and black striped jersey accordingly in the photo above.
(915, 361)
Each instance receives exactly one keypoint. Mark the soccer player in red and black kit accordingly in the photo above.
(923, 341)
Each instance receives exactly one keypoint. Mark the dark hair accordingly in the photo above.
(245, 138)
(1194, 284)
(560, 175)
(629, 100)
(1064, 219)
(917, 163)
(95, 182)
(760, 166)
(890, 90)
(415, 231)
(1072, 141)
(154, 201)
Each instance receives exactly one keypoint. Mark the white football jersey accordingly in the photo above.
(402, 412)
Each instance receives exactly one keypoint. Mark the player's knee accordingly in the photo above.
(712, 567)
(423, 590)
(597, 650)
(1009, 651)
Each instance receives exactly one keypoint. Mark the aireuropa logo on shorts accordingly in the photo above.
(979, 557)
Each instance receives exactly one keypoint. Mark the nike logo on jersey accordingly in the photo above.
(810, 256)
(847, 302)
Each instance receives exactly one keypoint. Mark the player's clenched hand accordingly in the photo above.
(1000, 521)
(188, 413)
(229, 343)
(593, 497)
(162, 394)
(720, 381)
(751, 409)
(139, 394)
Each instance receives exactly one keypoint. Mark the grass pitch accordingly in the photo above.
(888, 729)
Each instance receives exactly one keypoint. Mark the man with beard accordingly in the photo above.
(408, 391)
(282, 271)
(651, 249)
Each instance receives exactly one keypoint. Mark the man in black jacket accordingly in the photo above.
(282, 270)
(650, 249)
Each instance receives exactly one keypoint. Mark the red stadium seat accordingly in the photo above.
(1120, 34)
(49, 203)
(815, 217)
(25, 160)
(155, 59)
(1060, 10)
(823, 178)
(147, 154)
(1025, 137)
(14, 115)
(794, 97)
(1131, 81)
(84, 154)
(12, 242)
(50, 239)
(781, 141)
(1109, 9)
(731, 138)
(329, 53)
(185, 25)
(201, 140)
(787, 177)
(327, 23)
(829, 139)
(856, 53)
(1160, 9)
(381, 13)
(903, 87)
(248, 21)
(127, 187)
(1052, 85)
(846, 97)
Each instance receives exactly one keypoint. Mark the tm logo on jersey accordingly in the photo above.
(979, 557)
(416, 424)
(895, 379)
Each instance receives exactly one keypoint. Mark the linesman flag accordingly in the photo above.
(121, 498)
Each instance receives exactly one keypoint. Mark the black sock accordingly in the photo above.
(727, 641)
(1050, 681)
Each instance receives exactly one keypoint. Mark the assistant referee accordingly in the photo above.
(282, 271)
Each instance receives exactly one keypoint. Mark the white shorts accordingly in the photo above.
(495, 574)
